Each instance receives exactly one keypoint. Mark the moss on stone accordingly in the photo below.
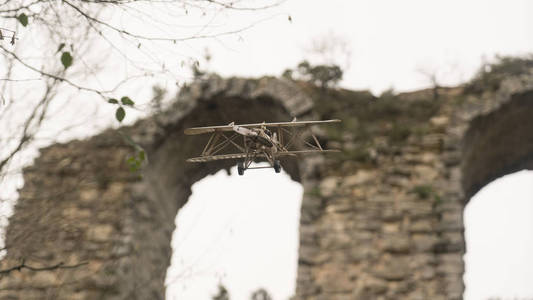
(423, 191)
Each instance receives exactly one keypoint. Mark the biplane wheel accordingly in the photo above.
(240, 168)
(277, 166)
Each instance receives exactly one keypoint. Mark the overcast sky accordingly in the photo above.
(387, 44)
(391, 43)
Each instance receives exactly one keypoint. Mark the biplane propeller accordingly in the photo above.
(261, 141)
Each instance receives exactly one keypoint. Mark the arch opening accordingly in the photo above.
(241, 231)
(168, 178)
(499, 239)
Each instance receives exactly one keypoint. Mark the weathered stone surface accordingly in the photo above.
(328, 186)
(396, 243)
(380, 220)
(359, 178)
(392, 268)
(100, 232)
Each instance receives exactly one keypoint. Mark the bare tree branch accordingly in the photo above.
(50, 75)
(23, 265)
(92, 33)
(27, 135)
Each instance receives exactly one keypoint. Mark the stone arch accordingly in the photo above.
(120, 224)
(168, 178)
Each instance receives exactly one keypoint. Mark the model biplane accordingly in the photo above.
(261, 141)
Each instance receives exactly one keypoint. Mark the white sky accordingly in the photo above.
(238, 230)
(499, 235)
(390, 42)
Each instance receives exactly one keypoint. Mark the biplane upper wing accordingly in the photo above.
(210, 129)
(243, 155)
(219, 157)
(290, 124)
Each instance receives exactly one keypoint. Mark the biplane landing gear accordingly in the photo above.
(240, 168)
(277, 166)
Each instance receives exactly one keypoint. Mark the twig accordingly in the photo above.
(26, 134)
(56, 77)
(23, 265)
(20, 80)
(89, 18)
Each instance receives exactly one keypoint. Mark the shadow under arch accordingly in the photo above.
(498, 143)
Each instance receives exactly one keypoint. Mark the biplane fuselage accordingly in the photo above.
(262, 141)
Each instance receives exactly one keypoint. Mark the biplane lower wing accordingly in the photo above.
(288, 153)
(211, 129)
(217, 157)
(259, 155)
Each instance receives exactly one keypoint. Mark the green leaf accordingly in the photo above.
(66, 59)
(23, 19)
(112, 101)
(141, 155)
(127, 101)
(134, 163)
(133, 168)
(61, 46)
(120, 114)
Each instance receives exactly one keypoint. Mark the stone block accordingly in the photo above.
(45, 278)
(391, 227)
(392, 268)
(425, 172)
(397, 181)
(328, 186)
(363, 252)
(424, 242)
(100, 232)
(439, 121)
(359, 178)
(89, 195)
(334, 279)
(76, 213)
(370, 288)
(421, 226)
(396, 243)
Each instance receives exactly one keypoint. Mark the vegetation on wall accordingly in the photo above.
(490, 75)
(323, 75)
(372, 125)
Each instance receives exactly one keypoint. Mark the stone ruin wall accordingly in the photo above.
(381, 220)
